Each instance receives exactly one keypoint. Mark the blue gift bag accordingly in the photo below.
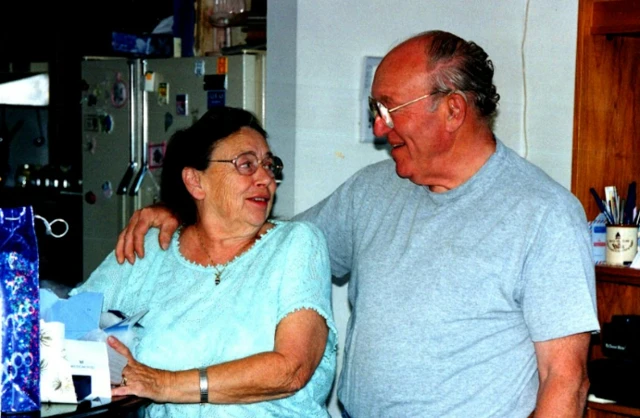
(19, 304)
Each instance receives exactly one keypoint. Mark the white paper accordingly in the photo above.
(89, 358)
(56, 383)
(122, 329)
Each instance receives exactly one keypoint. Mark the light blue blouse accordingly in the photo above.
(193, 323)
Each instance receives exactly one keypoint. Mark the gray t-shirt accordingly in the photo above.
(450, 290)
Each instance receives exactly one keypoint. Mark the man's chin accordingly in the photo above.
(402, 172)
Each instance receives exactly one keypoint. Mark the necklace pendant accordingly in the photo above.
(217, 279)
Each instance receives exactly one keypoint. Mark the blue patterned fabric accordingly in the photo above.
(19, 304)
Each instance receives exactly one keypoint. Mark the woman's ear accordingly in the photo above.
(192, 179)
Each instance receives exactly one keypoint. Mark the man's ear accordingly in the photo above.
(192, 179)
(456, 111)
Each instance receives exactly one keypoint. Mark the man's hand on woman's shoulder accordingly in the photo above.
(131, 239)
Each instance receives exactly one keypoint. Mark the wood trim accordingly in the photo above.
(609, 409)
(618, 293)
(619, 275)
(616, 17)
(605, 146)
(577, 167)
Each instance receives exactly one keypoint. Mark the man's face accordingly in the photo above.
(415, 137)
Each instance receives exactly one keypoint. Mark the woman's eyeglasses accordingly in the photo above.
(248, 162)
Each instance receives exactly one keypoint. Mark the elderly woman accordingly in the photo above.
(239, 320)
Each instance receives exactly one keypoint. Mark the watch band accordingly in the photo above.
(204, 385)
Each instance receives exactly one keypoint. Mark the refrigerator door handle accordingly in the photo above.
(126, 179)
(137, 183)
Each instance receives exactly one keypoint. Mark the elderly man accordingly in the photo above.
(471, 277)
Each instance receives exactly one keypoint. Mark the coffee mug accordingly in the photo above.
(622, 244)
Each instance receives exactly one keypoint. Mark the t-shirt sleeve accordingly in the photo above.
(558, 288)
(306, 282)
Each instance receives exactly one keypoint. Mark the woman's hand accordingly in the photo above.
(131, 239)
(140, 380)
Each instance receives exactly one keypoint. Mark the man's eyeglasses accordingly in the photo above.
(247, 163)
(378, 109)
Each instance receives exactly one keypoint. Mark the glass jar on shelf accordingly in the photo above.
(23, 174)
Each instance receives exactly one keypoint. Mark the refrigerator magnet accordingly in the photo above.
(118, 92)
(222, 65)
(182, 101)
(91, 123)
(150, 81)
(163, 93)
(168, 121)
(199, 68)
(107, 189)
(106, 123)
(156, 154)
(215, 98)
(91, 145)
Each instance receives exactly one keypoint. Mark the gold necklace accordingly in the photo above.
(214, 265)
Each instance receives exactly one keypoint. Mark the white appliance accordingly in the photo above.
(130, 108)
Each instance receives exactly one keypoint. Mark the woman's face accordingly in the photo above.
(239, 202)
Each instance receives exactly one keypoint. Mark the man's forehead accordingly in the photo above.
(398, 73)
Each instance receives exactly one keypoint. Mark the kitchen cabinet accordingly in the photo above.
(606, 143)
(616, 17)
(618, 293)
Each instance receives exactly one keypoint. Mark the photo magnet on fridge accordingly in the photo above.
(119, 92)
(215, 98)
(156, 154)
(181, 104)
(163, 93)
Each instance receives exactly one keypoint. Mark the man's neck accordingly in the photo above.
(470, 152)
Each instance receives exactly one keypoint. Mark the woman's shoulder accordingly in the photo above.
(152, 243)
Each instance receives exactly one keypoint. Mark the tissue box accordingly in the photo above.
(81, 320)
(89, 359)
(72, 370)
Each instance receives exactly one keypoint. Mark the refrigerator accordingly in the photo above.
(130, 108)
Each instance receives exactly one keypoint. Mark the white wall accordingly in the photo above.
(324, 43)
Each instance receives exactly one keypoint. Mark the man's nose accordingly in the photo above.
(380, 128)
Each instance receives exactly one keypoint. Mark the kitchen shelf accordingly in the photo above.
(618, 293)
(37, 196)
(605, 146)
(612, 408)
(616, 17)
(618, 290)
(619, 275)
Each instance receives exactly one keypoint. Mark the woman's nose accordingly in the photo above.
(265, 176)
